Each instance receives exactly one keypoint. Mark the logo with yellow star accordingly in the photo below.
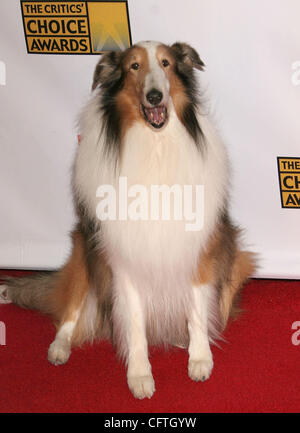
(75, 27)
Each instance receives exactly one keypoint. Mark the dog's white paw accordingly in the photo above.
(200, 369)
(59, 352)
(4, 297)
(141, 386)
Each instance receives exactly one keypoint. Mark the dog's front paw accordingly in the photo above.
(4, 296)
(200, 369)
(141, 386)
(59, 352)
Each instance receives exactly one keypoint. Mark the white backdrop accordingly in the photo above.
(250, 49)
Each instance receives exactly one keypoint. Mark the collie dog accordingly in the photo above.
(144, 281)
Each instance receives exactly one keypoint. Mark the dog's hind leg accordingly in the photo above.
(69, 301)
(222, 271)
(60, 349)
(243, 266)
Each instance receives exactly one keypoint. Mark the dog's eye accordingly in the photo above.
(135, 66)
(165, 63)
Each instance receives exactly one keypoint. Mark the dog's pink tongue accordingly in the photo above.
(156, 115)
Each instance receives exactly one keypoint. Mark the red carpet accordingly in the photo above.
(256, 370)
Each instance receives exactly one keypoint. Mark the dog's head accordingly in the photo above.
(138, 83)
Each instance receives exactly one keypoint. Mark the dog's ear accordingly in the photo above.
(188, 55)
(109, 66)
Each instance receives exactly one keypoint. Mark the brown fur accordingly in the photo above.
(129, 98)
(177, 90)
(64, 292)
(76, 279)
(114, 66)
(72, 284)
(225, 266)
(60, 294)
(243, 267)
(100, 283)
(31, 292)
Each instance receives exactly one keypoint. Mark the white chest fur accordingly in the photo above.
(167, 157)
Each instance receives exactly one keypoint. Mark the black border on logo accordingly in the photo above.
(81, 1)
(278, 169)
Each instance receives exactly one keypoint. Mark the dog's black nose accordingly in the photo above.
(154, 97)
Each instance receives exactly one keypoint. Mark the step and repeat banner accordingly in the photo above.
(251, 85)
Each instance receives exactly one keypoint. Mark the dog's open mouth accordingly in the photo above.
(156, 116)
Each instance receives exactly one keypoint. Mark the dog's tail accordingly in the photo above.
(30, 292)
(51, 293)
